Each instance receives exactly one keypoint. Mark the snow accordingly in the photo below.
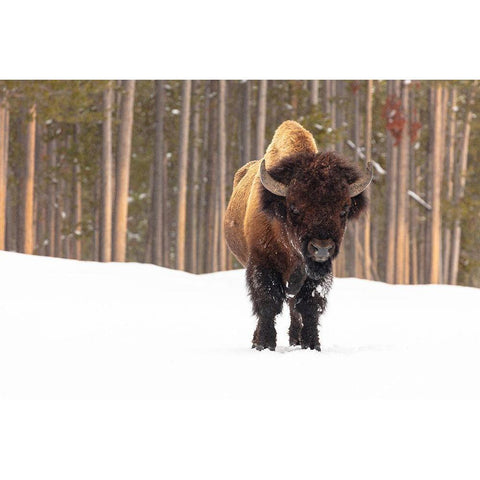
(134, 331)
(73, 333)
(419, 199)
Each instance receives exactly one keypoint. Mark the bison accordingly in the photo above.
(285, 223)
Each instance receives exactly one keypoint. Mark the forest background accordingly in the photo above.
(142, 170)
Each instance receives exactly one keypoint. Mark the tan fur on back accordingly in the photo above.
(289, 138)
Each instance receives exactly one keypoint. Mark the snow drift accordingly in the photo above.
(84, 330)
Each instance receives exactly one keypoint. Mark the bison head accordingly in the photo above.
(314, 195)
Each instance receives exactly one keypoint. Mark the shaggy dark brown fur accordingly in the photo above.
(271, 235)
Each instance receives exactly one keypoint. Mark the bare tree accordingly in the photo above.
(77, 202)
(51, 195)
(313, 93)
(246, 126)
(159, 182)
(222, 161)
(182, 173)
(436, 228)
(29, 180)
(262, 118)
(402, 199)
(367, 257)
(449, 175)
(3, 169)
(211, 158)
(107, 177)
(123, 172)
(460, 180)
(392, 159)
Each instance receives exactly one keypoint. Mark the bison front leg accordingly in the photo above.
(310, 305)
(267, 293)
(295, 330)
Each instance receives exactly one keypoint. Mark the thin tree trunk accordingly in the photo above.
(392, 156)
(355, 252)
(195, 190)
(402, 185)
(3, 170)
(245, 143)
(28, 231)
(413, 212)
(334, 93)
(159, 181)
(447, 243)
(212, 172)
(77, 219)
(368, 156)
(313, 94)
(40, 201)
(222, 162)
(123, 172)
(182, 174)
(202, 218)
(459, 191)
(435, 238)
(5, 167)
(106, 206)
(51, 195)
(336, 113)
(262, 118)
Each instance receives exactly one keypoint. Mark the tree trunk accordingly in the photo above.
(449, 175)
(313, 94)
(159, 182)
(459, 191)
(123, 172)
(402, 187)
(245, 143)
(436, 231)
(202, 218)
(334, 91)
(106, 206)
(29, 181)
(222, 162)
(355, 250)
(51, 195)
(261, 118)
(77, 221)
(212, 177)
(182, 173)
(336, 113)
(367, 257)
(193, 187)
(3, 170)
(392, 159)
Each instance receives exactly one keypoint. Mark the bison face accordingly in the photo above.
(315, 195)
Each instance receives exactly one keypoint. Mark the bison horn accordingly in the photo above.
(359, 186)
(269, 183)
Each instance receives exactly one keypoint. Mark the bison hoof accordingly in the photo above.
(316, 347)
(259, 347)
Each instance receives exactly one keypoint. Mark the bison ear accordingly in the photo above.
(358, 205)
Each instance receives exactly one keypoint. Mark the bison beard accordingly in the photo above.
(286, 226)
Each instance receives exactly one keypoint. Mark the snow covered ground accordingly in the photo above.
(393, 394)
(81, 330)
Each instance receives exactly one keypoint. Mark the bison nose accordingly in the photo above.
(320, 250)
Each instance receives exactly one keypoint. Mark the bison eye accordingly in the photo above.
(294, 210)
(345, 211)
